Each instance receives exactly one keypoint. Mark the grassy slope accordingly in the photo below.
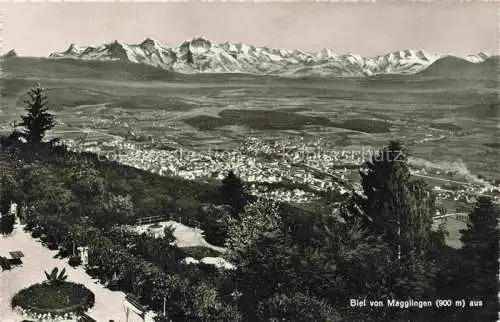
(453, 67)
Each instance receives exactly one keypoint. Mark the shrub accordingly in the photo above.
(29, 226)
(199, 252)
(7, 224)
(63, 252)
(53, 277)
(295, 307)
(52, 246)
(161, 318)
(114, 285)
(55, 299)
(75, 261)
(36, 233)
(168, 234)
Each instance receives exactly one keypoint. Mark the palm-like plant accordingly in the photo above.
(53, 277)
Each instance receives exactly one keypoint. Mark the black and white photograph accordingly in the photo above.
(239, 161)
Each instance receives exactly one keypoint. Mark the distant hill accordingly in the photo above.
(454, 67)
(25, 67)
(28, 67)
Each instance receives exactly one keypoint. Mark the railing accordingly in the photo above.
(151, 219)
(135, 302)
(458, 216)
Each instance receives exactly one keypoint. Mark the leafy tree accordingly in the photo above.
(38, 120)
(480, 258)
(481, 235)
(57, 201)
(170, 292)
(215, 219)
(233, 192)
(114, 209)
(367, 273)
(263, 253)
(9, 181)
(258, 219)
(88, 186)
(8, 187)
(206, 305)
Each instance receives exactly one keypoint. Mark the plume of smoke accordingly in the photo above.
(456, 167)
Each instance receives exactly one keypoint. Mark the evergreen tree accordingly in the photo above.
(233, 192)
(419, 236)
(480, 258)
(395, 207)
(396, 212)
(38, 120)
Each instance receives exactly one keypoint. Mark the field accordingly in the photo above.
(439, 119)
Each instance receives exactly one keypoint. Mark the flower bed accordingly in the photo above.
(48, 301)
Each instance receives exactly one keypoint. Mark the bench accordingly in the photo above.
(132, 303)
(86, 318)
(16, 258)
(5, 263)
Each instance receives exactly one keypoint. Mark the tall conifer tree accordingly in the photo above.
(38, 120)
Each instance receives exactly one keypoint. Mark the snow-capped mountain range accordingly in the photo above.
(200, 55)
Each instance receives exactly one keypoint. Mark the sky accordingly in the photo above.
(37, 29)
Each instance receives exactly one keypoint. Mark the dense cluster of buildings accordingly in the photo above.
(282, 171)
(292, 170)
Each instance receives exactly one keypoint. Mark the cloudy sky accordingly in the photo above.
(37, 29)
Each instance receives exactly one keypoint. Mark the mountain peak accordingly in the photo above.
(116, 43)
(478, 58)
(73, 48)
(150, 43)
(326, 54)
(200, 41)
(200, 38)
(10, 53)
(200, 55)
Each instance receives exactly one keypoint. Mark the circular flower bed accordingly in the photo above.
(52, 300)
